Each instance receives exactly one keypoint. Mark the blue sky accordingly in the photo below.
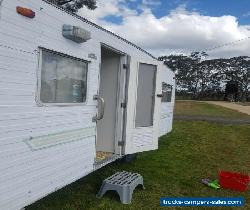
(237, 8)
(178, 26)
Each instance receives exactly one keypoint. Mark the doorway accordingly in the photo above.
(109, 91)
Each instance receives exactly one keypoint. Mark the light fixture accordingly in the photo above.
(25, 12)
(75, 33)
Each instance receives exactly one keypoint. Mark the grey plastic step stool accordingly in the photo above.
(123, 183)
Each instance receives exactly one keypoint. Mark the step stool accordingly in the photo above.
(123, 183)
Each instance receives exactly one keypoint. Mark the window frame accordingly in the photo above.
(162, 99)
(39, 78)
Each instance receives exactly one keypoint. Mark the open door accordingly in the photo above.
(111, 104)
(144, 132)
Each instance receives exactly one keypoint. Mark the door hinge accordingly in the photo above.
(125, 66)
(121, 143)
(124, 105)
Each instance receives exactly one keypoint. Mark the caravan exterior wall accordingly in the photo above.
(167, 105)
(47, 142)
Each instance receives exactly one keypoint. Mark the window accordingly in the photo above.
(63, 78)
(166, 92)
(145, 95)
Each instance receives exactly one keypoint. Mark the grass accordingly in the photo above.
(196, 108)
(192, 151)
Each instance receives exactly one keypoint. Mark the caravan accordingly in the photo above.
(73, 98)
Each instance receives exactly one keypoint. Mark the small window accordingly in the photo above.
(63, 78)
(166, 92)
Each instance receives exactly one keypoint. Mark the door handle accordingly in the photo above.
(101, 107)
(159, 95)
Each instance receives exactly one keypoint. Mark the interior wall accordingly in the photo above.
(110, 62)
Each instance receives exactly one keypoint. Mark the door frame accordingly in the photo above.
(120, 119)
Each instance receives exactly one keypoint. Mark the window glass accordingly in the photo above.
(145, 95)
(63, 79)
(166, 92)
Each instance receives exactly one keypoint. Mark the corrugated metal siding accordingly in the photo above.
(27, 175)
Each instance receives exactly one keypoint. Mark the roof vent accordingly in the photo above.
(75, 33)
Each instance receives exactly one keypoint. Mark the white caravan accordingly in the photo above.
(73, 98)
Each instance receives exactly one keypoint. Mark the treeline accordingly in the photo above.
(198, 78)
(74, 5)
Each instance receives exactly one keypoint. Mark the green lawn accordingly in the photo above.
(192, 151)
(196, 108)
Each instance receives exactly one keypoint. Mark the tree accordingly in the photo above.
(189, 74)
(181, 65)
(75, 5)
(198, 69)
(239, 71)
(207, 78)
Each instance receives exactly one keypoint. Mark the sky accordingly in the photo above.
(164, 27)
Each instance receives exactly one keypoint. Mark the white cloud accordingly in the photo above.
(246, 14)
(106, 8)
(151, 2)
(180, 31)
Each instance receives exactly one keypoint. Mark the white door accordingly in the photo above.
(143, 134)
